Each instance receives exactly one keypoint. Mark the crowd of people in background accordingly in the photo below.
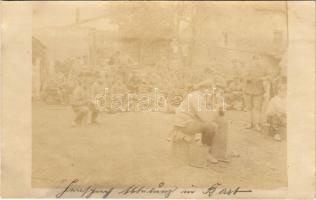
(258, 92)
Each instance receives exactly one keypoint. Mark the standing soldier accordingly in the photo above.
(254, 91)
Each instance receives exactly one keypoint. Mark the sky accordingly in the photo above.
(49, 18)
(46, 14)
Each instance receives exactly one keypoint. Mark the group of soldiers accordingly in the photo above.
(261, 94)
(264, 96)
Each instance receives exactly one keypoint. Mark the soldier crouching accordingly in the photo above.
(80, 104)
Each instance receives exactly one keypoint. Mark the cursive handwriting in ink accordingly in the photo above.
(59, 195)
(214, 189)
(230, 191)
(85, 192)
(148, 190)
(210, 191)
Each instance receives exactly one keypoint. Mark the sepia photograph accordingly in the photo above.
(184, 94)
(158, 99)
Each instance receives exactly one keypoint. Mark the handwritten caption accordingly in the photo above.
(75, 190)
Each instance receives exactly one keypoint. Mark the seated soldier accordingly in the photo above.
(193, 116)
(97, 88)
(276, 112)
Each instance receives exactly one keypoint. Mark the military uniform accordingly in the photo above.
(253, 94)
(97, 89)
(80, 104)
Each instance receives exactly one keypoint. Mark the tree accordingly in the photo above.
(146, 20)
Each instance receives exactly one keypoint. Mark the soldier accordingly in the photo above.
(276, 112)
(192, 117)
(234, 94)
(97, 89)
(80, 103)
(254, 91)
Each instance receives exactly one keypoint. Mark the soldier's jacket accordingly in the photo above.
(254, 83)
(195, 108)
(80, 97)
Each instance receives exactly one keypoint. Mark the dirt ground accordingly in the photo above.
(132, 148)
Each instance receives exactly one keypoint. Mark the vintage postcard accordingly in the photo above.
(158, 99)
